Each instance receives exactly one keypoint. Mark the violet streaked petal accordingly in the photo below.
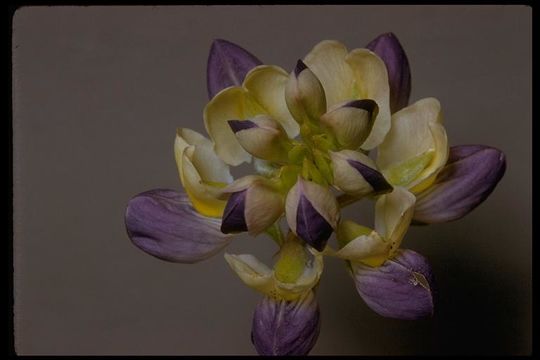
(402, 288)
(388, 48)
(234, 219)
(227, 65)
(311, 226)
(372, 176)
(470, 175)
(286, 327)
(164, 224)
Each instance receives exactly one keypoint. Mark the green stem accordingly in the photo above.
(275, 233)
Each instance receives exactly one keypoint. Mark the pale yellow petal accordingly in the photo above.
(263, 207)
(210, 167)
(393, 215)
(327, 61)
(348, 179)
(440, 157)
(372, 82)
(229, 104)
(266, 87)
(203, 195)
(410, 133)
(291, 206)
(368, 249)
(184, 138)
(252, 272)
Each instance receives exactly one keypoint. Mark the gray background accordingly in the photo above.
(98, 93)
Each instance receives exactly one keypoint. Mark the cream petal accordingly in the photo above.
(410, 135)
(371, 78)
(393, 214)
(356, 174)
(263, 207)
(440, 156)
(370, 249)
(261, 93)
(263, 137)
(350, 122)
(210, 167)
(266, 87)
(204, 197)
(361, 244)
(291, 206)
(185, 137)
(304, 95)
(327, 61)
(416, 131)
(251, 271)
(228, 104)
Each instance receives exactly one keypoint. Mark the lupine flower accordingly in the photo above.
(308, 133)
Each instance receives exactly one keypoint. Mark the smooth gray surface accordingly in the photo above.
(98, 93)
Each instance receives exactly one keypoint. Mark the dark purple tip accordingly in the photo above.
(402, 288)
(238, 125)
(233, 220)
(300, 66)
(469, 177)
(389, 49)
(311, 226)
(365, 104)
(372, 176)
(286, 327)
(227, 66)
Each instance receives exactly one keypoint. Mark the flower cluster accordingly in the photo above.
(310, 136)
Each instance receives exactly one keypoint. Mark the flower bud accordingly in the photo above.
(253, 206)
(468, 178)
(402, 288)
(356, 174)
(389, 49)
(351, 122)
(163, 224)
(304, 94)
(262, 137)
(312, 212)
(282, 327)
(227, 65)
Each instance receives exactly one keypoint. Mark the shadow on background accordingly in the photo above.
(481, 309)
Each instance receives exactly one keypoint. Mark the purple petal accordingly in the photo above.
(365, 104)
(372, 176)
(388, 48)
(164, 224)
(311, 226)
(233, 215)
(238, 125)
(401, 288)
(286, 327)
(470, 175)
(227, 65)
(300, 66)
